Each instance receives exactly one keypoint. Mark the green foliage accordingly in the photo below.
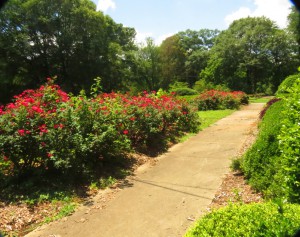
(45, 132)
(185, 54)
(264, 219)
(252, 55)
(182, 89)
(196, 45)
(96, 88)
(178, 84)
(202, 86)
(66, 210)
(211, 116)
(287, 179)
(188, 98)
(214, 100)
(259, 99)
(294, 26)
(67, 38)
(48, 131)
(236, 164)
(271, 164)
(287, 84)
(146, 67)
(208, 118)
(260, 162)
(267, 106)
(173, 59)
(103, 183)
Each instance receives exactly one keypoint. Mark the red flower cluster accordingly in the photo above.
(39, 120)
(145, 114)
(23, 132)
(29, 118)
(213, 99)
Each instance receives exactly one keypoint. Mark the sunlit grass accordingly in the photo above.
(264, 99)
(208, 118)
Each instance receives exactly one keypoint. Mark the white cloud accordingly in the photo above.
(104, 5)
(140, 37)
(241, 13)
(161, 38)
(276, 10)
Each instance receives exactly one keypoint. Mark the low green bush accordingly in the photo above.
(253, 220)
(184, 91)
(181, 89)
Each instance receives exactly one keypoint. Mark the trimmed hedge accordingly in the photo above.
(287, 84)
(287, 179)
(255, 220)
(272, 163)
(260, 162)
(184, 91)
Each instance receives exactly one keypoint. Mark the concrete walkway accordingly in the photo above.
(163, 200)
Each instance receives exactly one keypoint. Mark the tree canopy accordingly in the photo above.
(69, 39)
(253, 55)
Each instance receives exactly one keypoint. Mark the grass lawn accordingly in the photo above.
(208, 118)
(211, 116)
(264, 99)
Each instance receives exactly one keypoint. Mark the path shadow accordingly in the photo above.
(157, 184)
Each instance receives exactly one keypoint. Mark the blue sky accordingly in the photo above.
(162, 18)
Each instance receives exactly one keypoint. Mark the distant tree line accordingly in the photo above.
(72, 41)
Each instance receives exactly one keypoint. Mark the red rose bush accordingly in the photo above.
(46, 130)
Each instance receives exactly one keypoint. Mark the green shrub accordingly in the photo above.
(202, 85)
(181, 89)
(267, 219)
(287, 179)
(287, 84)
(260, 161)
(267, 106)
(272, 163)
(184, 91)
(188, 98)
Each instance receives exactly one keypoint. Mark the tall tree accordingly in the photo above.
(68, 39)
(196, 45)
(253, 55)
(294, 26)
(185, 54)
(118, 58)
(173, 60)
(147, 68)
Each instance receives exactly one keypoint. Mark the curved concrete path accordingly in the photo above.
(163, 200)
